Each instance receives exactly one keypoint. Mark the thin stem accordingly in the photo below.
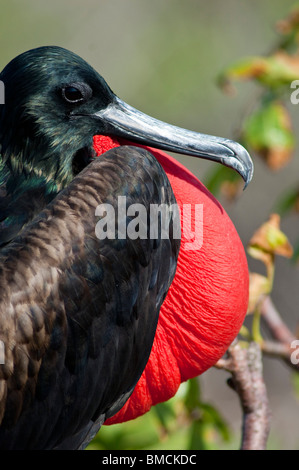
(256, 322)
(273, 320)
(245, 365)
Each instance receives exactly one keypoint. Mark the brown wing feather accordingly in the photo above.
(78, 314)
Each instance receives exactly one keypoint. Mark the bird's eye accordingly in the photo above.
(76, 93)
(72, 94)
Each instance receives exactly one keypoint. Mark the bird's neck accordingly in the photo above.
(20, 176)
(38, 164)
(25, 190)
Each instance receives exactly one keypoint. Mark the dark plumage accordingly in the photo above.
(77, 314)
(43, 141)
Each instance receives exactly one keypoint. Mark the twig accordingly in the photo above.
(272, 318)
(276, 349)
(282, 347)
(245, 365)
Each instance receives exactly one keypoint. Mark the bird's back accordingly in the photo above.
(78, 314)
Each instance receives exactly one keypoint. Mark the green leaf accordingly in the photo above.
(275, 71)
(269, 238)
(266, 128)
(243, 69)
(218, 176)
(268, 132)
(207, 422)
(202, 436)
(287, 202)
(295, 383)
(217, 420)
(192, 397)
(164, 412)
(296, 252)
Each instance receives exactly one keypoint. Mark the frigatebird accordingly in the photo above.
(79, 312)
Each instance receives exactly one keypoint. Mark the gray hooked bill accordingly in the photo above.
(124, 121)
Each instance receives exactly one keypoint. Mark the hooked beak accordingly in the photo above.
(122, 120)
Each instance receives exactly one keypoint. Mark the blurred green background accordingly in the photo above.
(163, 57)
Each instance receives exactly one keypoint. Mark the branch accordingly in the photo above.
(282, 347)
(245, 365)
(277, 327)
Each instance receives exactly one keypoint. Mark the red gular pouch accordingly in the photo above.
(207, 300)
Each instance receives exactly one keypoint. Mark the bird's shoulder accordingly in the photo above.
(22, 197)
(71, 302)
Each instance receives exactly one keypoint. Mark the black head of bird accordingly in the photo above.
(96, 302)
(56, 102)
(46, 91)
